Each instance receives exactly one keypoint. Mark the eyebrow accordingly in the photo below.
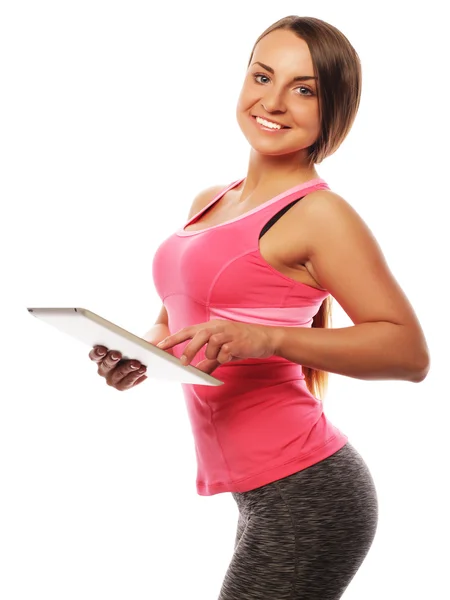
(298, 78)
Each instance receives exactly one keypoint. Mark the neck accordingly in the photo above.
(274, 174)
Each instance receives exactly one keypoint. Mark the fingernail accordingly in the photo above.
(114, 357)
(184, 359)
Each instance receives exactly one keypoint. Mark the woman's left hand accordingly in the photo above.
(227, 341)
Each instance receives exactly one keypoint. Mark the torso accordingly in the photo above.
(284, 246)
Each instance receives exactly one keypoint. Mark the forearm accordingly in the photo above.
(378, 350)
(157, 333)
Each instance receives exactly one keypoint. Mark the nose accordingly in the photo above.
(272, 98)
(273, 104)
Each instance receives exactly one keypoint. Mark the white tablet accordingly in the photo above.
(92, 329)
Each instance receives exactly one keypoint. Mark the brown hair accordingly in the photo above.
(338, 68)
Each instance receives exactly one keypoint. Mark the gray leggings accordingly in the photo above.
(305, 536)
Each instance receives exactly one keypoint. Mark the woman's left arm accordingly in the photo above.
(386, 341)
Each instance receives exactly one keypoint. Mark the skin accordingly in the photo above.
(278, 162)
(119, 374)
(322, 233)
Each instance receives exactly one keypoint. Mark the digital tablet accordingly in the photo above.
(94, 330)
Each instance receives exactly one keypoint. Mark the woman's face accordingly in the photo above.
(276, 96)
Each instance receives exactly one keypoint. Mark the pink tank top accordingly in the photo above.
(263, 424)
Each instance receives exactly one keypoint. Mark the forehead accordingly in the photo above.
(283, 50)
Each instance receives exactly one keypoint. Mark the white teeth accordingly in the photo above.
(267, 123)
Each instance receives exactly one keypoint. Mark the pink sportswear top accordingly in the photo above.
(263, 424)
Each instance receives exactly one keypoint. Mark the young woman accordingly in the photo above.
(247, 296)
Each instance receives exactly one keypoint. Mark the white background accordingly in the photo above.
(114, 115)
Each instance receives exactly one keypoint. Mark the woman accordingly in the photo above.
(248, 296)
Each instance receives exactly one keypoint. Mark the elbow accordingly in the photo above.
(421, 370)
(412, 354)
(418, 376)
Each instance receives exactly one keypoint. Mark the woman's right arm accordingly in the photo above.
(125, 374)
(160, 329)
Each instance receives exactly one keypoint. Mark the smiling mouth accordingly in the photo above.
(282, 126)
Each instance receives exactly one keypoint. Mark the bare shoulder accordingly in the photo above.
(325, 204)
(203, 198)
(328, 217)
(347, 261)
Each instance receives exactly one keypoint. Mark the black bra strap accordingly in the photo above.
(275, 218)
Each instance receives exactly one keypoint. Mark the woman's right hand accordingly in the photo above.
(119, 374)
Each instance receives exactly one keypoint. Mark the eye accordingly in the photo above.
(302, 87)
(256, 76)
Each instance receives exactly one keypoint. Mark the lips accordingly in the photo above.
(270, 120)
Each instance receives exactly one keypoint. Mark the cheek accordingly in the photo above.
(244, 107)
(241, 118)
(245, 101)
(239, 104)
(315, 114)
(307, 116)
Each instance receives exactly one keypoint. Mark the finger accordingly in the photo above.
(98, 353)
(132, 379)
(224, 355)
(218, 348)
(140, 380)
(114, 376)
(176, 338)
(110, 362)
(198, 341)
(207, 366)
